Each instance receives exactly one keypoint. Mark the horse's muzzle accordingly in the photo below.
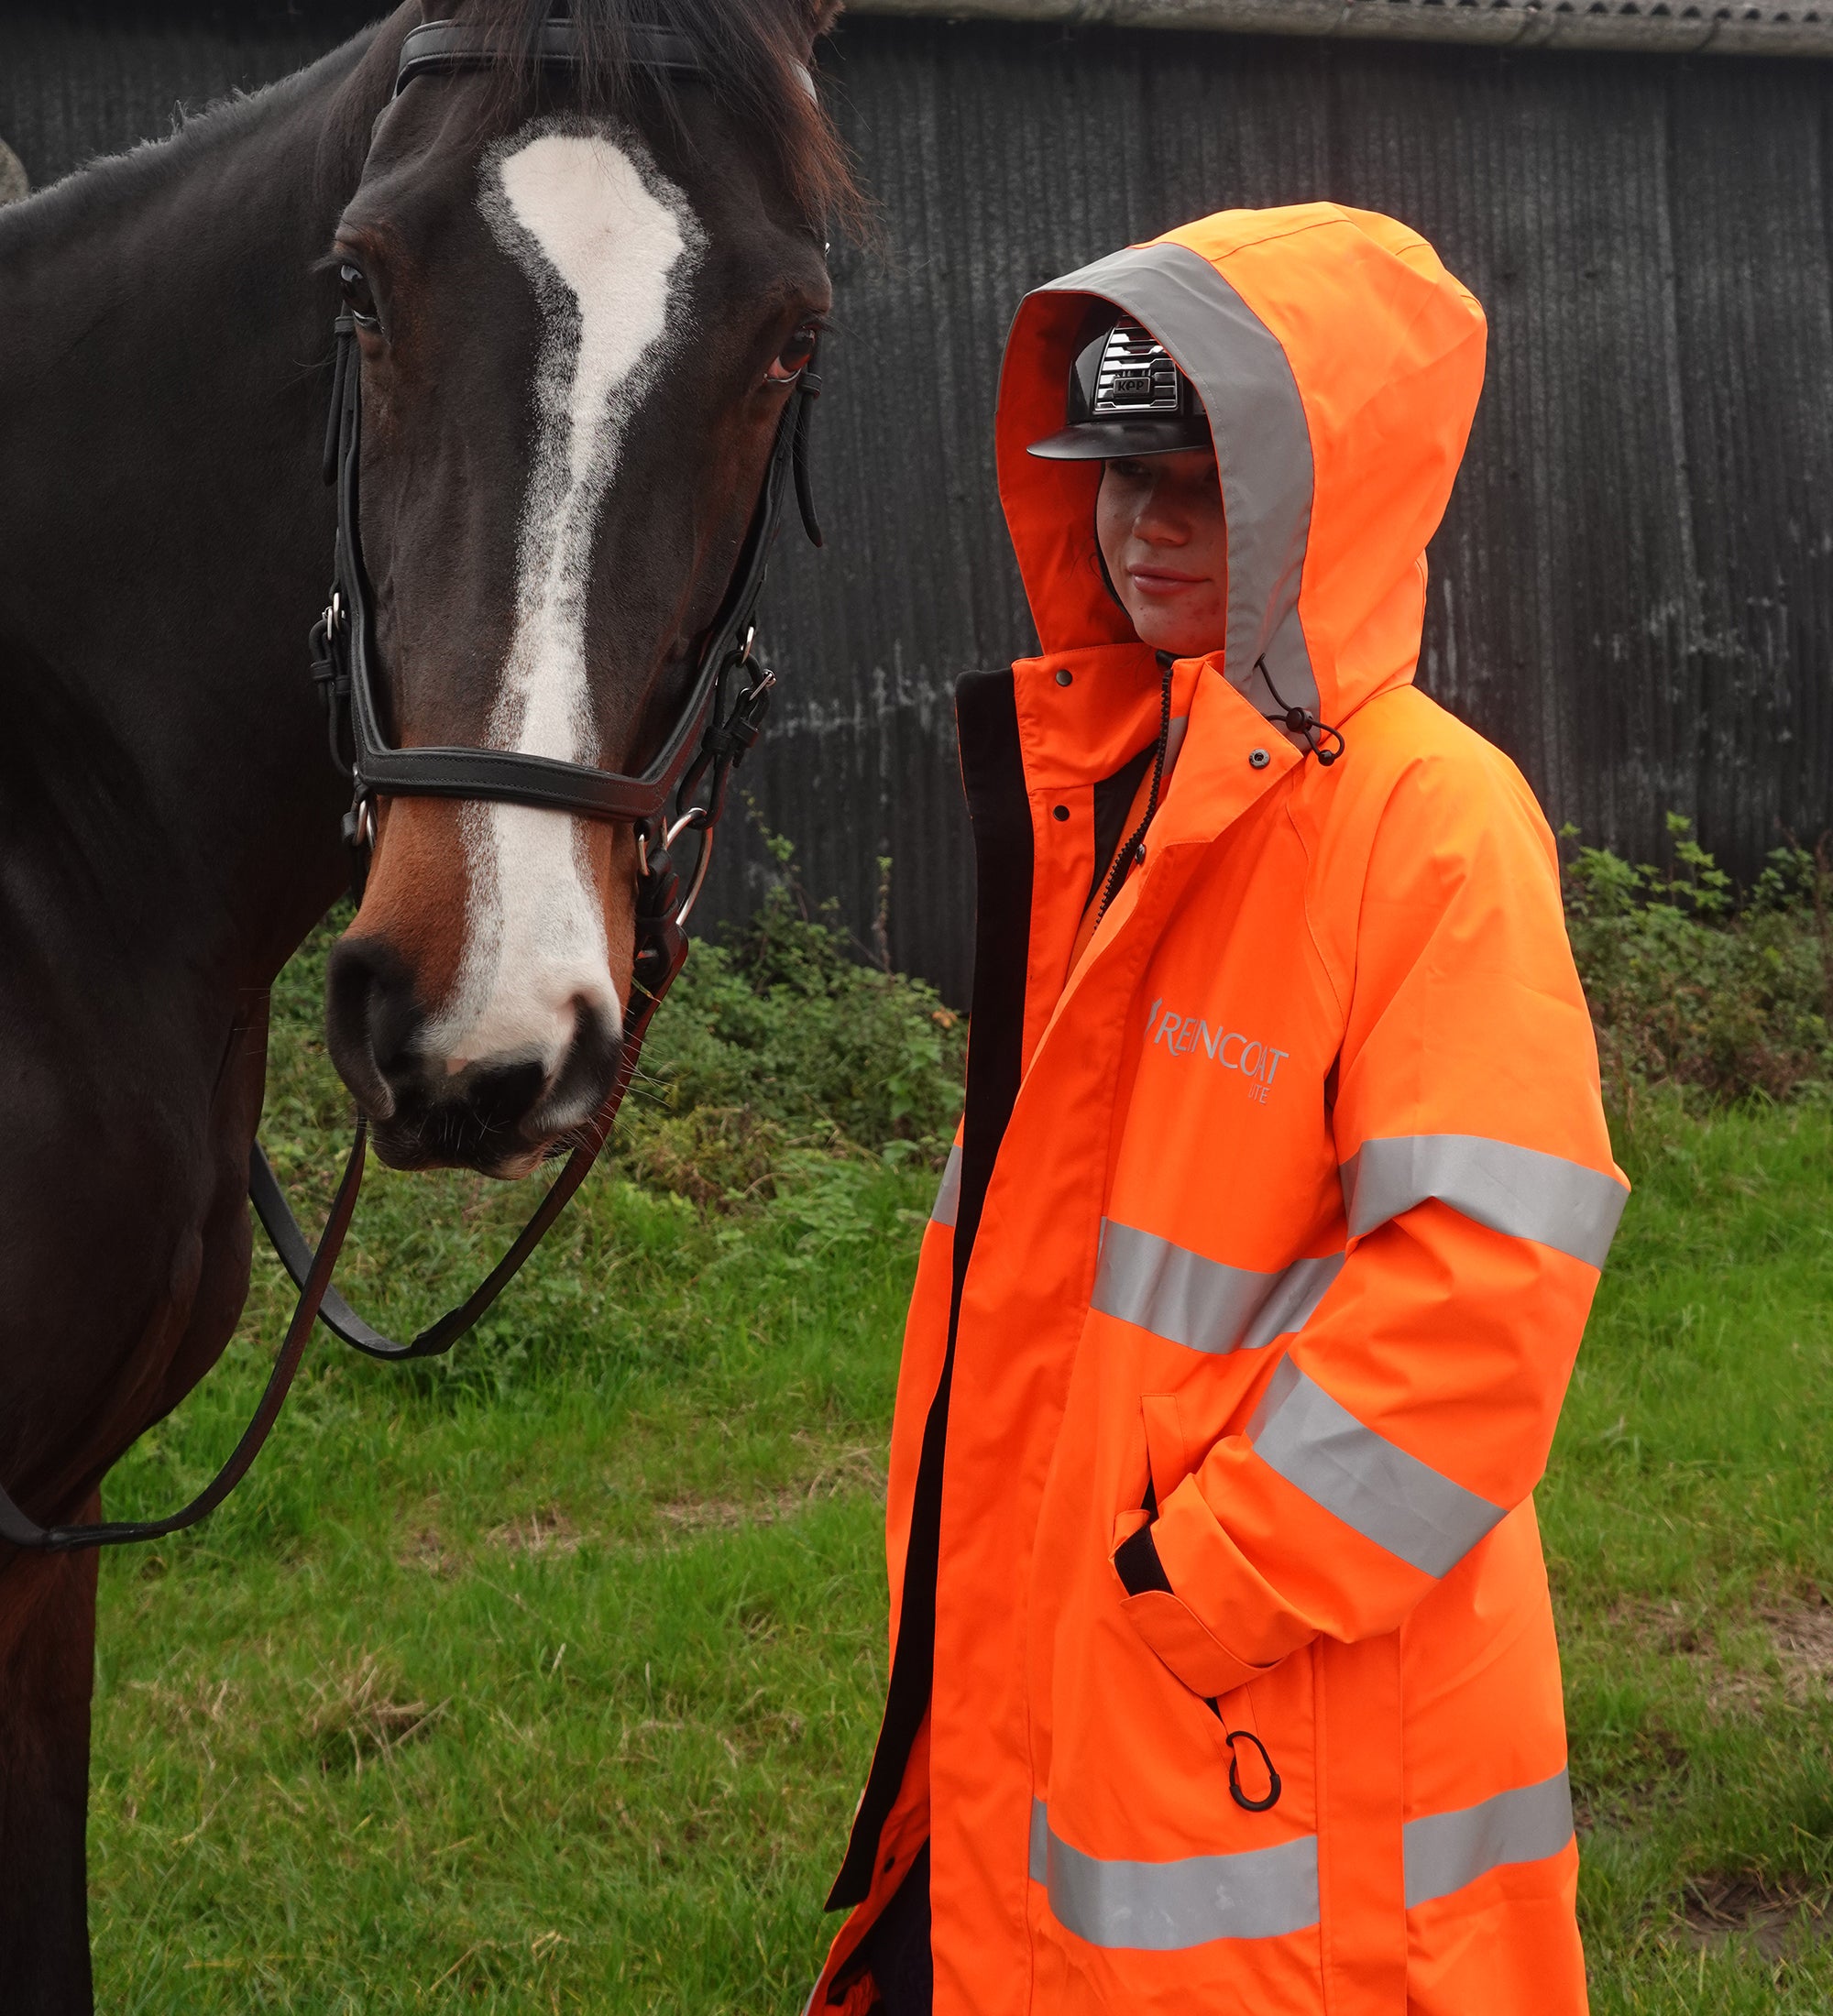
(501, 1116)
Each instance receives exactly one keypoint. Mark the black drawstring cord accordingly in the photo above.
(1131, 847)
(1301, 723)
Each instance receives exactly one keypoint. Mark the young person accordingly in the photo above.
(1223, 1672)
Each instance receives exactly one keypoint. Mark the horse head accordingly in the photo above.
(580, 296)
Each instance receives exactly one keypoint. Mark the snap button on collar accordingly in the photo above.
(1258, 757)
(1064, 675)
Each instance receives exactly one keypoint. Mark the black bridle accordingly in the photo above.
(682, 791)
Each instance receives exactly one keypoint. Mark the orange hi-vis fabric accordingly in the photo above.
(1256, 1276)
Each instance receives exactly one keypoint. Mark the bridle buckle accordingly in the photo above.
(360, 822)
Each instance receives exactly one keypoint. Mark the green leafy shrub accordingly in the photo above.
(781, 1040)
(777, 1055)
(1721, 1000)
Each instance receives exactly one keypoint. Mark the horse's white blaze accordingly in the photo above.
(606, 242)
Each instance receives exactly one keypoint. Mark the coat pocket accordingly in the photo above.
(1158, 1613)
(1185, 1645)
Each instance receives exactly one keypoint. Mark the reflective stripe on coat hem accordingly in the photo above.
(1163, 1907)
(1319, 1447)
(1446, 1850)
(1202, 1304)
(1518, 1191)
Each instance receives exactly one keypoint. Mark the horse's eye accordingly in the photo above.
(794, 358)
(357, 298)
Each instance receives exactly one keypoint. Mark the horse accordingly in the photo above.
(573, 298)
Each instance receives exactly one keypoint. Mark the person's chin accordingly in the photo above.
(1179, 621)
(1164, 630)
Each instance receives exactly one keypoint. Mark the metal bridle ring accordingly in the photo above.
(697, 819)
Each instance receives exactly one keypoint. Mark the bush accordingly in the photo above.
(780, 1041)
(777, 1054)
(1690, 989)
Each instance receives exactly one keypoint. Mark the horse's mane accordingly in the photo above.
(753, 50)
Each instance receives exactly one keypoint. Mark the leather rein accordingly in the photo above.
(682, 791)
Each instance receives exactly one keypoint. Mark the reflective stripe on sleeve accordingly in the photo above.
(1446, 1850)
(1515, 1190)
(1388, 1497)
(1163, 1907)
(949, 1197)
(1204, 1305)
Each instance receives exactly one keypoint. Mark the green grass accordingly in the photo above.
(534, 1678)
(1688, 1517)
(544, 1678)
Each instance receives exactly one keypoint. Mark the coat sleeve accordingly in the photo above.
(1416, 1407)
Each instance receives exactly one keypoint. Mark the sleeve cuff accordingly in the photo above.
(1170, 1627)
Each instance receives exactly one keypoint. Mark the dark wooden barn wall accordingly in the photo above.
(1633, 591)
(80, 78)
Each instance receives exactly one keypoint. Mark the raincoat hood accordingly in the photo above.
(1340, 364)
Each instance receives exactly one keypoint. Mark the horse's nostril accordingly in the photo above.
(372, 1023)
(580, 1086)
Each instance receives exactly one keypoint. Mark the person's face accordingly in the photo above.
(1159, 520)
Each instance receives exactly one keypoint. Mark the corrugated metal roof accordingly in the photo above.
(1718, 28)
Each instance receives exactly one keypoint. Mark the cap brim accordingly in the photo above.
(1121, 440)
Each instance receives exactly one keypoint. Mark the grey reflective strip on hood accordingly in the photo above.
(1263, 447)
(1515, 1190)
(1202, 1304)
(949, 1197)
(1446, 1850)
(1388, 1497)
(1163, 1907)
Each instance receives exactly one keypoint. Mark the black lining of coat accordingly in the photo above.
(1113, 799)
(1137, 1563)
(992, 774)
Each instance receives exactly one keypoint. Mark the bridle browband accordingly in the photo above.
(441, 45)
(720, 718)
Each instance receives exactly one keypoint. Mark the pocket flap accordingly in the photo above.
(1167, 1454)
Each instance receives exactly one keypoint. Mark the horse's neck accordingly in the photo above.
(164, 536)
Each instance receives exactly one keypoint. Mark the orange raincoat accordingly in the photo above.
(1258, 1273)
